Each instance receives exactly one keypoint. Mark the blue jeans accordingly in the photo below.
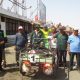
(72, 54)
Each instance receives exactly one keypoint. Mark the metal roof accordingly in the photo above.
(10, 14)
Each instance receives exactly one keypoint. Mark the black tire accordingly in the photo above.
(20, 68)
(48, 74)
(23, 73)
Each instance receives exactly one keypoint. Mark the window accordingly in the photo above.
(2, 19)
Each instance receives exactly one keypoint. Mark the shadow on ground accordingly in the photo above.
(59, 75)
(10, 68)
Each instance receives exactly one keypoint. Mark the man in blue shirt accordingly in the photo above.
(74, 44)
(20, 41)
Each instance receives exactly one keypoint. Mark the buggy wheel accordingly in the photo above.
(48, 72)
(20, 68)
(23, 73)
(48, 69)
(24, 69)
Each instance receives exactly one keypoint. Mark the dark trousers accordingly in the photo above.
(18, 50)
(61, 54)
(1, 52)
(72, 58)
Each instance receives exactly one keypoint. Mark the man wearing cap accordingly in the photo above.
(20, 41)
(74, 44)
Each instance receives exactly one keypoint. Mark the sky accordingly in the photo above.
(65, 11)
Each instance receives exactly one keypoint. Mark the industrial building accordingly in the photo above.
(9, 22)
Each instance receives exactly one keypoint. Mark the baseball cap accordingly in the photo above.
(20, 27)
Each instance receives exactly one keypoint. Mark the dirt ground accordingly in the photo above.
(12, 72)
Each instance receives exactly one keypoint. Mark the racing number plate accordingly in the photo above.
(33, 58)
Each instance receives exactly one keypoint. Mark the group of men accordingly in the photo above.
(65, 43)
(63, 39)
(68, 43)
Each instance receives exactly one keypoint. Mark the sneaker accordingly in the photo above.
(64, 64)
(17, 63)
(60, 65)
(75, 67)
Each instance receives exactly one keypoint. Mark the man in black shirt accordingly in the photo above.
(1, 46)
